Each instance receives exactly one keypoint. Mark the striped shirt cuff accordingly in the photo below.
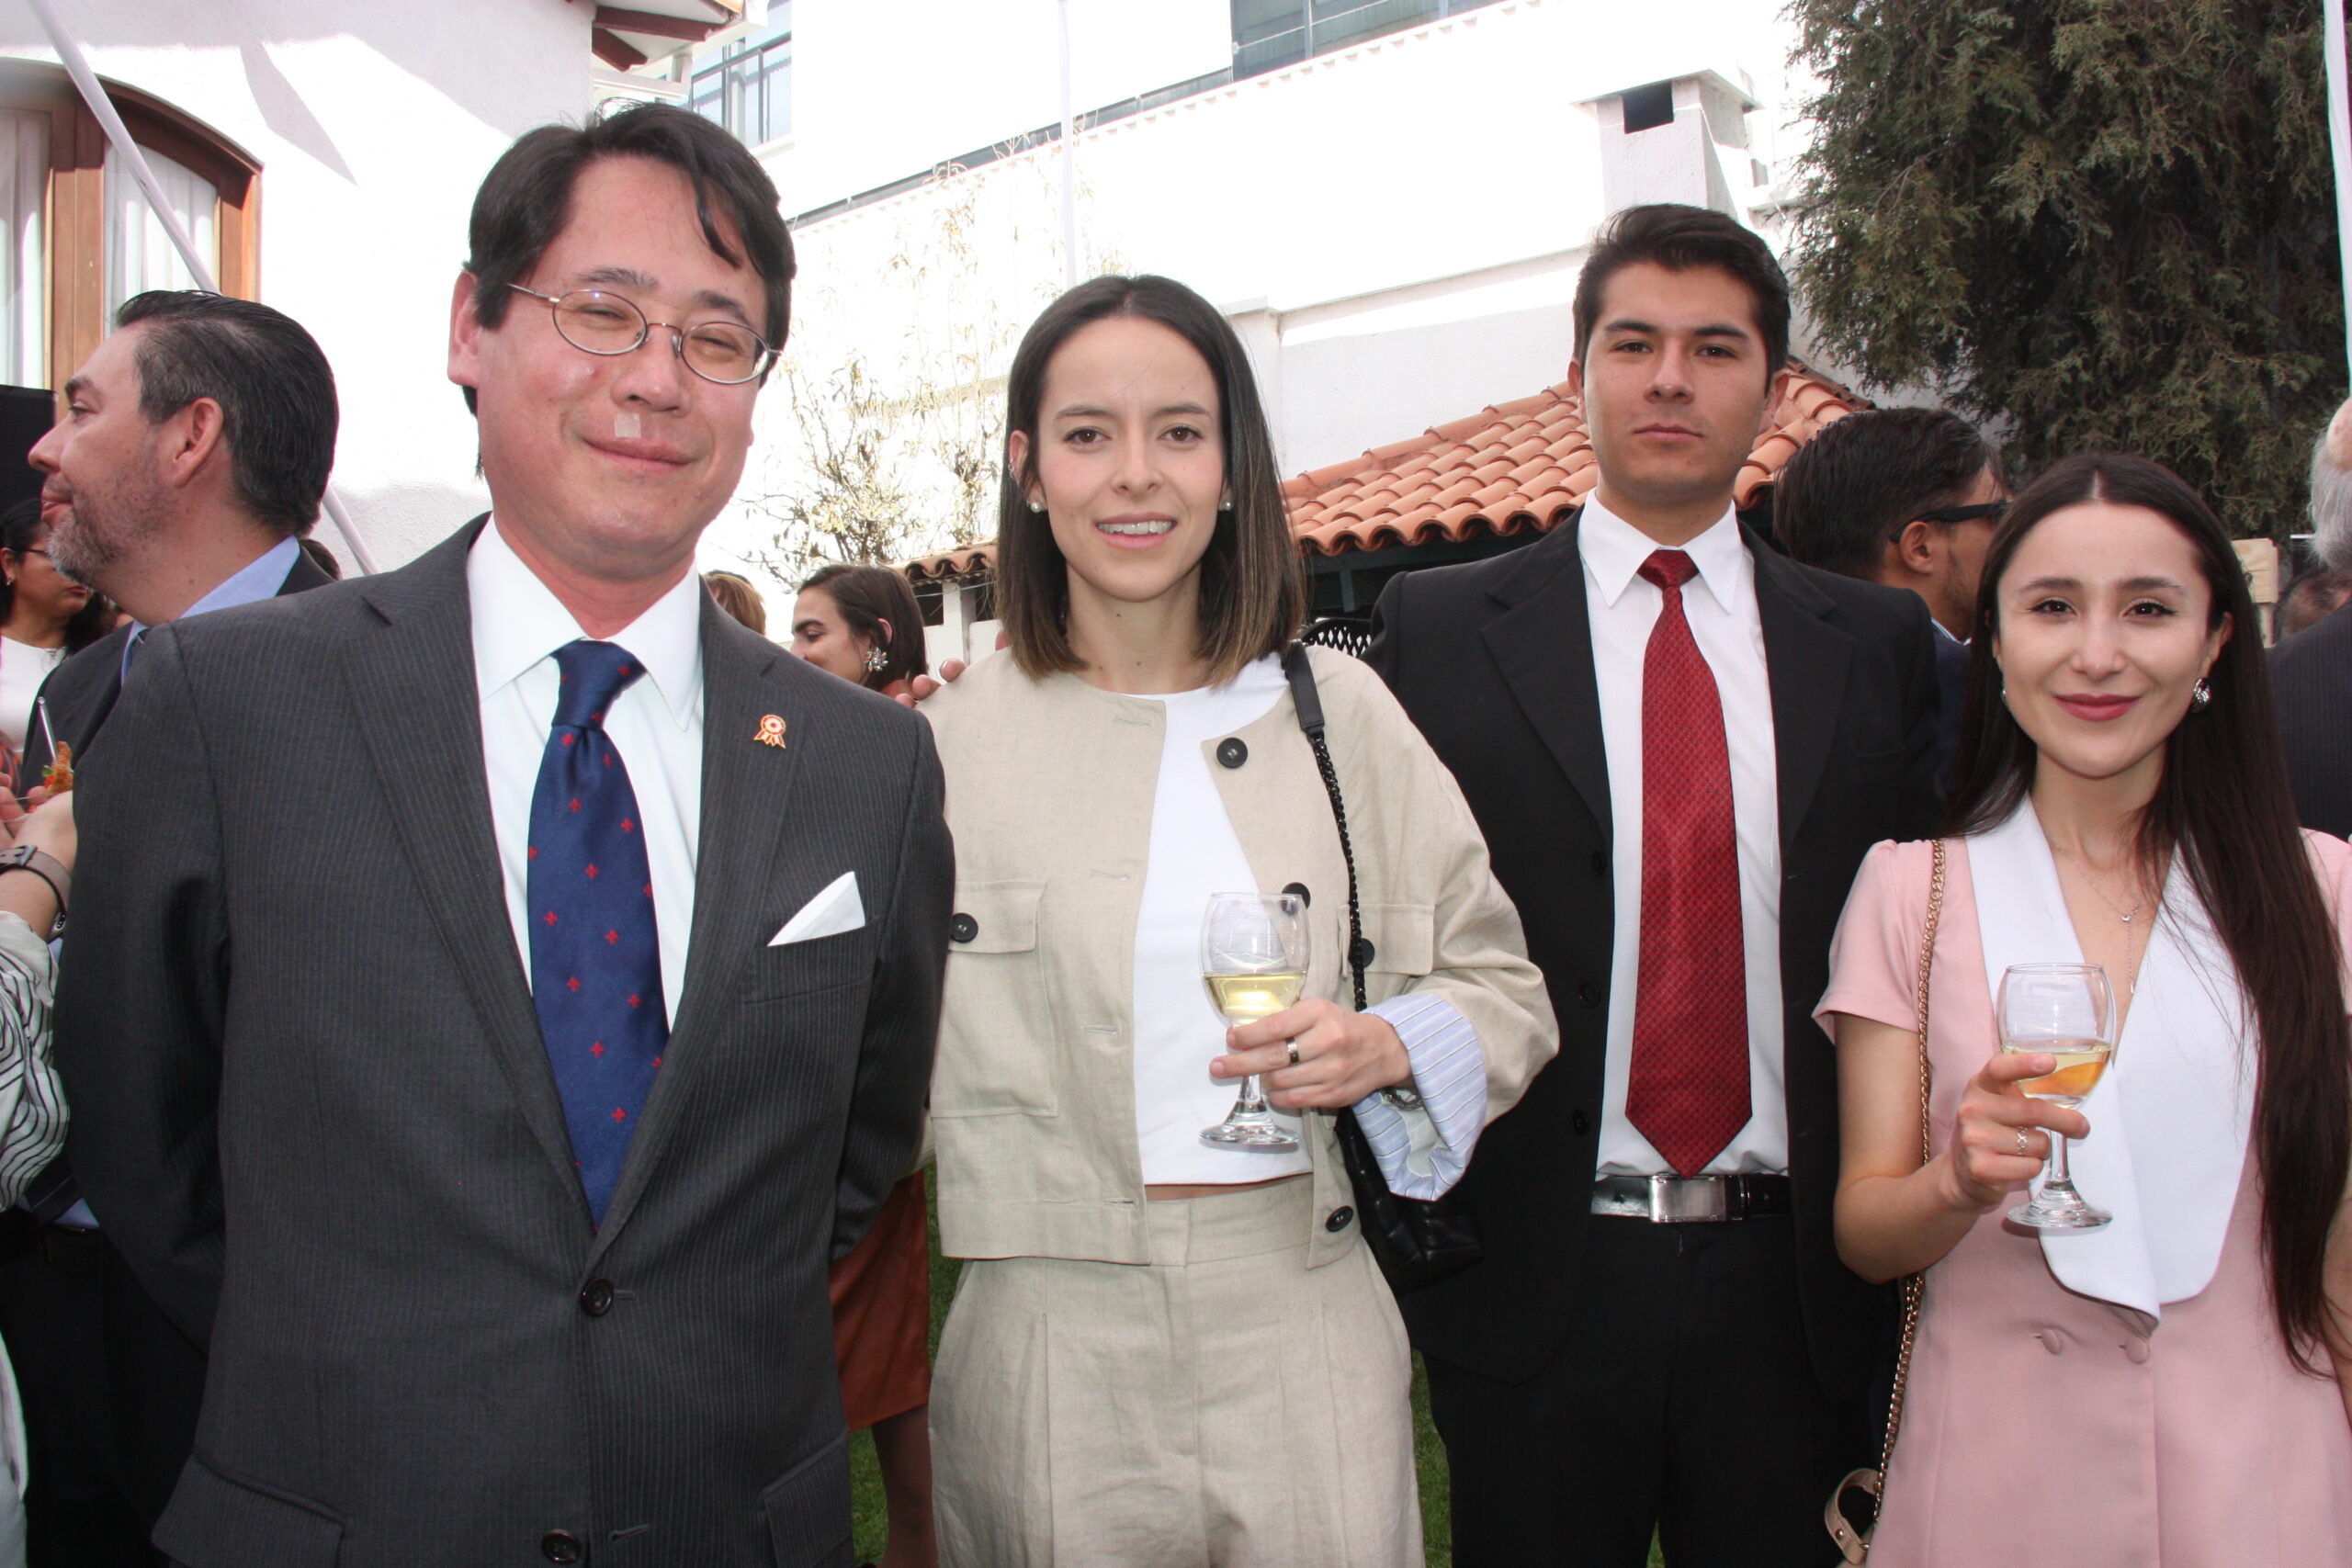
(32, 1105)
(1422, 1152)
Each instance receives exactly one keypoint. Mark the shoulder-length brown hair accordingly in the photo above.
(1253, 592)
(870, 597)
(2224, 806)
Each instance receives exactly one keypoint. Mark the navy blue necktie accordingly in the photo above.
(595, 952)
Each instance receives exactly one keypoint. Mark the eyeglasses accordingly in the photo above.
(596, 321)
(1990, 510)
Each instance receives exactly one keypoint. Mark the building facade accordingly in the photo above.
(1391, 201)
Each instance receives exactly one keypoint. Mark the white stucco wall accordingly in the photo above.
(883, 88)
(373, 121)
(1395, 228)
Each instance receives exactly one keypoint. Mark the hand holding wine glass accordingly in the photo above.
(1254, 951)
(2000, 1136)
(2065, 1011)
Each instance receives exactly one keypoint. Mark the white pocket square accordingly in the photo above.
(837, 909)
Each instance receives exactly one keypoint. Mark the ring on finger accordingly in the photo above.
(1291, 1046)
(2022, 1150)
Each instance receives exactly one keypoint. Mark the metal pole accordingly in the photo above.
(2339, 140)
(69, 54)
(1069, 161)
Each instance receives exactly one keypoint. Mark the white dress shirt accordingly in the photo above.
(655, 724)
(1720, 605)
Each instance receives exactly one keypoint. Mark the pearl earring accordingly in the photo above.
(1036, 506)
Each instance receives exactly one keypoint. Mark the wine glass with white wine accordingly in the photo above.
(2065, 1010)
(1254, 956)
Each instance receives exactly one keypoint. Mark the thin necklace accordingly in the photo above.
(2131, 931)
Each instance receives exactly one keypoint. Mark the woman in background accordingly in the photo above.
(2169, 1390)
(32, 1105)
(738, 598)
(860, 623)
(45, 618)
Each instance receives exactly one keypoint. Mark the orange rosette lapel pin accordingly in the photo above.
(771, 732)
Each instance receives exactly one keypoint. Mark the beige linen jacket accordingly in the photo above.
(1050, 786)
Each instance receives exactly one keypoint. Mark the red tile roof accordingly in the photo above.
(1523, 464)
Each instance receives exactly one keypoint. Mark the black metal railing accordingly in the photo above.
(1352, 635)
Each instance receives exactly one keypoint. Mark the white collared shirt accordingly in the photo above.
(1720, 605)
(655, 724)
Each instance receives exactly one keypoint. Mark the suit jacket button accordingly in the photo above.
(1588, 994)
(1580, 1123)
(1361, 952)
(1232, 753)
(1599, 864)
(1339, 1219)
(562, 1546)
(1298, 890)
(963, 927)
(597, 1297)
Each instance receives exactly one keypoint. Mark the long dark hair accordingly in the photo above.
(19, 527)
(866, 597)
(2224, 806)
(1253, 592)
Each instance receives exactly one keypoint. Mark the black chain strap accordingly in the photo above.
(1347, 852)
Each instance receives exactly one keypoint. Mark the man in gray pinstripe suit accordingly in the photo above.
(501, 1191)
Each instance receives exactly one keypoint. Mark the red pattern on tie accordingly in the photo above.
(1688, 1090)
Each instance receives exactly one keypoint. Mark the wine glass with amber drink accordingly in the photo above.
(2068, 1012)
(1253, 958)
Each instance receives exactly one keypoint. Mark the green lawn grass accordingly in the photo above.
(1429, 1454)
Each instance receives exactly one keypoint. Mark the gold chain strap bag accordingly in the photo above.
(1855, 1544)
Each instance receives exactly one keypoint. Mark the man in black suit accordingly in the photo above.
(492, 1101)
(1679, 746)
(1908, 498)
(2313, 669)
(193, 454)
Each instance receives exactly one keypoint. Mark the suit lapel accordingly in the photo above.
(413, 681)
(746, 789)
(1543, 644)
(1805, 661)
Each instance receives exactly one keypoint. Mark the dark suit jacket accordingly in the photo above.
(81, 693)
(2313, 673)
(1951, 693)
(1494, 661)
(311, 1100)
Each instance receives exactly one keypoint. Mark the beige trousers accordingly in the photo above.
(1223, 1407)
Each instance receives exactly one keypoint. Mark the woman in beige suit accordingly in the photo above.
(1164, 1352)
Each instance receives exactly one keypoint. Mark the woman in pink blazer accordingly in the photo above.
(2166, 1390)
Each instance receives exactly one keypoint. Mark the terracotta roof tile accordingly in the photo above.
(1520, 464)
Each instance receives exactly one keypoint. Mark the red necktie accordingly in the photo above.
(1689, 1092)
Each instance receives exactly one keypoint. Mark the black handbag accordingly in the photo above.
(1416, 1241)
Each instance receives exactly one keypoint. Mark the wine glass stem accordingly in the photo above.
(1253, 1098)
(2058, 1177)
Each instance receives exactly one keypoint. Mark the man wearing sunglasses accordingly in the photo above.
(1908, 498)
(491, 1097)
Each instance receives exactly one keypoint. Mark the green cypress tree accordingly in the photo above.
(2098, 223)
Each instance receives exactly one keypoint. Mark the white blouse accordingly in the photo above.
(1194, 853)
(22, 669)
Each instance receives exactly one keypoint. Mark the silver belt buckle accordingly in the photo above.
(1695, 1200)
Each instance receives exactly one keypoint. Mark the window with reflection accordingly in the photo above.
(78, 235)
